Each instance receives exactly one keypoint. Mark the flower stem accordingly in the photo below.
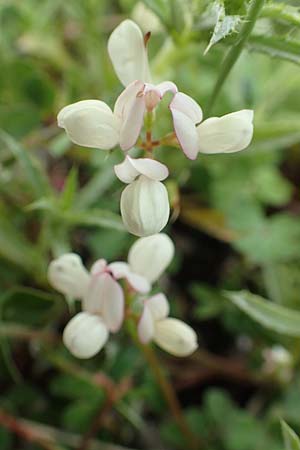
(235, 51)
(169, 394)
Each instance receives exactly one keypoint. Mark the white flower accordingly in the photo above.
(150, 256)
(68, 276)
(85, 335)
(230, 133)
(128, 53)
(145, 206)
(172, 335)
(102, 300)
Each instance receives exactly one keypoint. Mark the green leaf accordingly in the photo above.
(291, 440)
(276, 47)
(282, 12)
(94, 218)
(225, 25)
(32, 170)
(70, 187)
(270, 315)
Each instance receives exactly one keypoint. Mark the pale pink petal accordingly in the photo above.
(159, 306)
(138, 283)
(186, 134)
(186, 105)
(98, 267)
(166, 86)
(127, 97)
(113, 303)
(146, 326)
(93, 300)
(132, 124)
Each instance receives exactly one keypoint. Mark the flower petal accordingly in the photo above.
(90, 123)
(85, 335)
(186, 134)
(128, 53)
(130, 168)
(150, 256)
(99, 266)
(113, 303)
(230, 133)
(137, 282)
(175, 337)
(186, 114)
(68, 276)
(166, 86)
(145, 206)
(146, 326)
(159, 306)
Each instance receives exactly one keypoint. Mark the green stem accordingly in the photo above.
(165, 386)
(235, 51)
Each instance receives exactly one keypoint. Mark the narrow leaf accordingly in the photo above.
(291, 440)
(70, 188)
(94, 218)
(270, 315)
(282, 12)
(276, 47)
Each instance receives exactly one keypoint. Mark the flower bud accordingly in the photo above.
(150, 256)
(145, 206)
(85, 335)
(68, 276)
(175, 337)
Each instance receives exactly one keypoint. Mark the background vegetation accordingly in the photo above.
(235, 223)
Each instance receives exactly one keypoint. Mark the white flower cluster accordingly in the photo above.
(103, 299)
(91, 123)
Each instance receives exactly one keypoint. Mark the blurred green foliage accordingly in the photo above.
(238, 224)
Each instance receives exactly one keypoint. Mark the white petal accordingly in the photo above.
(175, 337)
(128, 53)
(127, 97)
(68, 276)
(187, 105)
(186, 114)
(137, 282)
(186, 134)
(146, 326)
(145, 206)
(150, 256)
(90, 123)
(159, 306)
(93, 300)
(85, 335)
(130, 168)
(230, 133)
(166, 86)
(113, 303)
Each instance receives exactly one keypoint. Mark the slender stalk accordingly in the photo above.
(235, 51)
(170, 395)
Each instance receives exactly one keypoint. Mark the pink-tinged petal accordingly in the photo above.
(186, 105)
(93, 300)
(132, 124)
(113, 303)
(127, 97)
(98, 267)
(186, 134)
(159, 306)
(146, 326)
(166, 86)
(138, 283)
(128, 53)
(85, 335)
